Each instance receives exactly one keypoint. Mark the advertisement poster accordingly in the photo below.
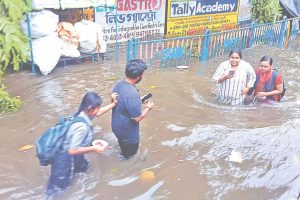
(186, 17)
(135, 18)
(244, 10)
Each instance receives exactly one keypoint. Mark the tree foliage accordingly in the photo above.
(7, 103)
(14, 46)
(13, 43)
(265, 10)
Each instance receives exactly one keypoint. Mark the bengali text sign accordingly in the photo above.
(135, 18)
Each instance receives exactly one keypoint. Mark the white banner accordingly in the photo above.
(41, 4)
(85, 3)
(135, 18)
(244, 10)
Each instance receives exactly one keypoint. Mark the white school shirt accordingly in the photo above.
(230, 90)
(76, 136)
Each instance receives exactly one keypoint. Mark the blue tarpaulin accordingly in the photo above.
(292, 7)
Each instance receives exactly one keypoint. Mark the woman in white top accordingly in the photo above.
(234, 78)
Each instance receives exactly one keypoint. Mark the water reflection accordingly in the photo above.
(52, 94)
(122, 182)
(149, 193)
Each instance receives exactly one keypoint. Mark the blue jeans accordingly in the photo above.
(63, 168)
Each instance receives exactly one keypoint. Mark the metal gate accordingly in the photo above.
(171, 52)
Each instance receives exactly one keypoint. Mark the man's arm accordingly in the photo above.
(149, 106)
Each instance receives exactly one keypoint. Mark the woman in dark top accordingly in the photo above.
(268, 84)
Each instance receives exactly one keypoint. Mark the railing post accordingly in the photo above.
(205, 45)
(30, 43)
(294, 31)
(252, 35)
(282, 32)
(128, 50)
(134, 48)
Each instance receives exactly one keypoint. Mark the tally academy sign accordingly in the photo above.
(194, 17)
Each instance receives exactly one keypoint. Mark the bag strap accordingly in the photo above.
(274, 75)
(81, 119)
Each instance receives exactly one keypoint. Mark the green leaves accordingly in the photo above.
(14, 9)
(13, 43)
(265, 11)
(7, 103)
(14, 46)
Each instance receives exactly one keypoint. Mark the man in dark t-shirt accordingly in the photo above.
(128, 112)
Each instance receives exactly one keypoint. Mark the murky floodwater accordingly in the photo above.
(186, 141)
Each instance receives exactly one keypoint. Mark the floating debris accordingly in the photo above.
(182, 67)
(147, 176)
(236, 157)
(25, 147)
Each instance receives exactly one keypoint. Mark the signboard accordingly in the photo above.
(135, 18)
(191, 17)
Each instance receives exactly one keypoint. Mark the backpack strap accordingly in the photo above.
(274, 75)
(81, 119)
(78, 119)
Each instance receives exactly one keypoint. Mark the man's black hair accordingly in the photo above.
(135, 68)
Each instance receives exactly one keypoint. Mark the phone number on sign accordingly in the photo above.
(128, 35)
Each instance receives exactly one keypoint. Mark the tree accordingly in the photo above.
(265, 10)
(14, 46)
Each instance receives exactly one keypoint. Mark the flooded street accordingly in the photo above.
(186, 141)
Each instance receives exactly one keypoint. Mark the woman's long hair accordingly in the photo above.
(91, 100)
(267, 58)
(237, 51)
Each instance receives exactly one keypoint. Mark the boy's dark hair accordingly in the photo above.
(135, 68)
